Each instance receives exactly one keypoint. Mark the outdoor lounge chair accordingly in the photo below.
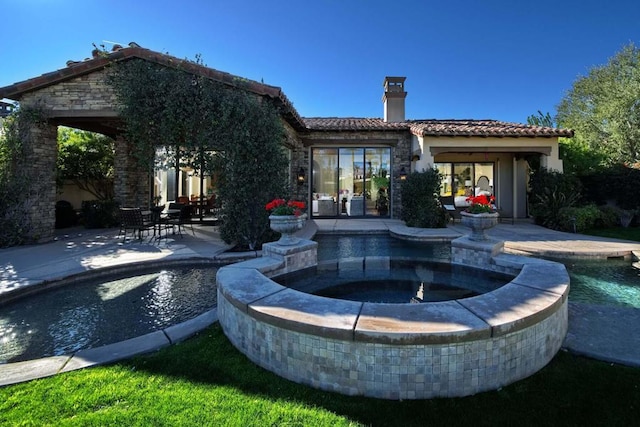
(454, 214)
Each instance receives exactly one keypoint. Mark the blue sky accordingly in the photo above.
(492, 59)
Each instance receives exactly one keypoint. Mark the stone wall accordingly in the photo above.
(394, 351)
(131, 182)
(40, 167)
(86, 93)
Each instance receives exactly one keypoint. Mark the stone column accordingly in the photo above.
(401, 159)
(40, 170)
(131, 181)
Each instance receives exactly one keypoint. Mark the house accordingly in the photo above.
(5, 109)
(344, 167)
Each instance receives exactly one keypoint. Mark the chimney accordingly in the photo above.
(393, 99)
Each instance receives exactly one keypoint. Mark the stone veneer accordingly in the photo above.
(395, 351)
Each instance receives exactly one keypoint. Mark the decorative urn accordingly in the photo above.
(287, 225)
(479, 223)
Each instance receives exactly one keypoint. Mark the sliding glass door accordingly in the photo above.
(351, 181)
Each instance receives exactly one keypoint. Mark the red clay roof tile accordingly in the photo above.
(433, 127)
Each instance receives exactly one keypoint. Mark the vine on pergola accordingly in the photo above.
(212, 128)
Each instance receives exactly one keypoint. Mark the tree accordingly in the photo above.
(576, 157)
(252, 165)
(604, 109)
(86, 158)
(210, 126)
(541, 120)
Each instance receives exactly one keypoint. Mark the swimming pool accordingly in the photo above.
(608, 282)
(96, 312)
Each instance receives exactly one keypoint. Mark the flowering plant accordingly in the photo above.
(282, 207)
(481, 204)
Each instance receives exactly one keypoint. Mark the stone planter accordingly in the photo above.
(479, 223)
(287, 225)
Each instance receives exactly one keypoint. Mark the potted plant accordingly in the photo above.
(382, 203)
(286, 217)
(480, 216)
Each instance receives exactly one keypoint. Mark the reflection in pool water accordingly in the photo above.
(394, 280)
(608, 282)
(94, 313)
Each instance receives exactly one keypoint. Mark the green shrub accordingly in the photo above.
(100, 213)
(420, 200)
(617, 183)
(551, 192)
(609, 217)
(582, 218)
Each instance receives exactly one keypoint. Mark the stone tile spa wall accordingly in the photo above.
(397, 351)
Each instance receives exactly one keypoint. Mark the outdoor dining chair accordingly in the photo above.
(133, 219)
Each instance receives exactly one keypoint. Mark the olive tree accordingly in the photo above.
(210, 126)
(603, 108)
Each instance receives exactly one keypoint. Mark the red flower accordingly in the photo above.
(481, 204)
(282, 207)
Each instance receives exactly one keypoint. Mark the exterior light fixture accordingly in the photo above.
(403, 174)
(301, 176)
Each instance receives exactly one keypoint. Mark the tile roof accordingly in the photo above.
(102, 59)
(433, 127)
(483, 128)
(350, 124)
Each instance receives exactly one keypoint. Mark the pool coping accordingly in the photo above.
(17, 372)
(538, 290)
(371, 349)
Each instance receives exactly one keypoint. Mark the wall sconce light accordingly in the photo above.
(403, 174)
(301, 176)
(415, 158)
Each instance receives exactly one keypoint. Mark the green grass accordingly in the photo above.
(629, 233)
(205, 381)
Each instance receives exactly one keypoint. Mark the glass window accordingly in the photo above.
(446, 180)
(462, 180)
(325, 173)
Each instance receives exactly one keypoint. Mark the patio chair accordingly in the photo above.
(132, 219)
(453, 213)
(183, 219)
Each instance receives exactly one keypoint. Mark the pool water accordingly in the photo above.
(610, 282)
(607, 282)
(340, 247)
(399, 281)
(95, 313)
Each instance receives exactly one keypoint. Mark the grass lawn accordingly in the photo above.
(629, 233)
(205, 381)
